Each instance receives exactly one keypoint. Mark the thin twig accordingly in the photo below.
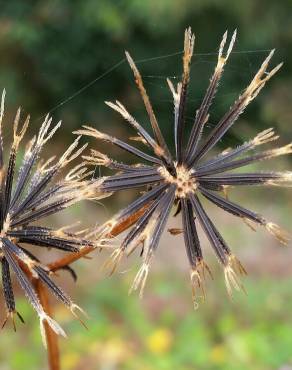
(51, 336)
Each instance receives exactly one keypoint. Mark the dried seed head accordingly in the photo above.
(181, 179)
(25, 200)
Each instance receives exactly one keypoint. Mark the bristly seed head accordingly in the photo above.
(184, 177)
(28, 198)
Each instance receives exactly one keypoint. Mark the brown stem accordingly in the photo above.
(51, 336)
(118, 229)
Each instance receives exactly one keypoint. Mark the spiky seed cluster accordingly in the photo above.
(25, 200)
(182, 179)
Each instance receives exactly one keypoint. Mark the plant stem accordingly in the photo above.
(51, 336)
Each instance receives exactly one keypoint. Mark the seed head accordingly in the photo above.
(183, 178)
(25, 200)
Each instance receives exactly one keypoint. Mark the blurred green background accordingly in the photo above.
(67, 57)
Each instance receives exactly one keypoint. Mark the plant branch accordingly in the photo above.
(118, 229)
(51, 336)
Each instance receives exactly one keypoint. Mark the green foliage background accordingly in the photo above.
(49, 50)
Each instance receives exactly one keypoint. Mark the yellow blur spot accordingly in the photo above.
(218, 354)
(160, 341)
(110, 352)
(70, 360)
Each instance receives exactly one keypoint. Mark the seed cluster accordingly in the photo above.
(185, 177)
(183, 180)
(28, 198)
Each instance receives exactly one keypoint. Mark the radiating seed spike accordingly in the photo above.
(234, 112)
(196, 283)
(171, 87)
(114, 260)
(265, 137)
(44, 129)
(70, 149)
(17, 137)
(202, 114)
(222, 44)
(138, 139)
(181, 96)
(239, 163)
(232, 279)
(44, 318)
(74, 307)
(279, 233)
(2, 107)
(273, 71)
(249, 223)
(232, 42)
(139, 82)
(52, 132)
(141, 131)
(16, 123)
(97, 134)
(265, 63)
(141, 277)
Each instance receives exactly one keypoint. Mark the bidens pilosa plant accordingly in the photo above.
(183, 178)
(25, 200)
